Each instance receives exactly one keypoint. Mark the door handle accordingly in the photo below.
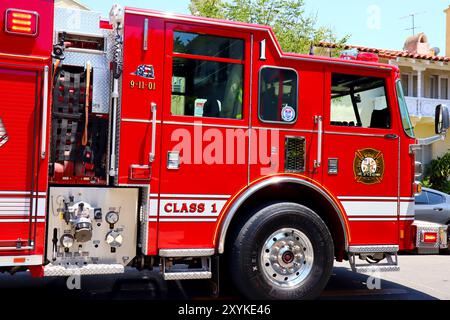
(319, 122)
(391, 136)
(438, 209)
(153, 146)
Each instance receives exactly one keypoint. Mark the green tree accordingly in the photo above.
(439, 174)
(294, 28)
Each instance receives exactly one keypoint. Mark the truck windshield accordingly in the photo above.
(407, 125)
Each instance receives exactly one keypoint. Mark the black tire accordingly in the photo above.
(245, 251)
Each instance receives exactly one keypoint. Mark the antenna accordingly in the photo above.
(413, 18)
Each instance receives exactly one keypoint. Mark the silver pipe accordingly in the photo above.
(44, 115)
(115, 97)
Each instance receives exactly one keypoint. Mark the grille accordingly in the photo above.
(295, 154)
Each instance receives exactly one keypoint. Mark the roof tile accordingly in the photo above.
(384, 53)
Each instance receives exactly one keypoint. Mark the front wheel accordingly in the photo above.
(284, 251)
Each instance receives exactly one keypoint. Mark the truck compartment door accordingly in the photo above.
(20, 202)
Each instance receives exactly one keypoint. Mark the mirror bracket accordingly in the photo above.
(426, 142)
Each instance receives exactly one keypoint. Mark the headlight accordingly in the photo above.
(67, 241)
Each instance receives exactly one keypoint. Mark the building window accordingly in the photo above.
(434, 87)
(444, 89)
(359, 101)
(439, 87)
(405, 84)
(207, 78)
(278, 95)
(415, 82)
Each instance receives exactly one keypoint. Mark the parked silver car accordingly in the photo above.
(433, 206)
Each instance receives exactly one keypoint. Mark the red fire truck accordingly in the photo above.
(168, 141)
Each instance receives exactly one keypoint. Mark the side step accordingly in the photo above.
(87, 270)
(388, 254)
(187, 275)
(178, 264)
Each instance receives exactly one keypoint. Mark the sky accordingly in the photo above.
(372, 23)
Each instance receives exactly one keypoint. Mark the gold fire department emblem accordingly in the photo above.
(368, 166)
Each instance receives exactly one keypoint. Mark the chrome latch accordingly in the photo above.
(333, 166)
(173, 160)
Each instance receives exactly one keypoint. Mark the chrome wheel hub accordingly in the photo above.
(287, 257)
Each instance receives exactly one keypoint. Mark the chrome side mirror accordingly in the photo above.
(442, 120)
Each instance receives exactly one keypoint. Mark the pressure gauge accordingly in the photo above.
(67, 241)
(112, 217)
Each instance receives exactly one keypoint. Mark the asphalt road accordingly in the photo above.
(420, 278)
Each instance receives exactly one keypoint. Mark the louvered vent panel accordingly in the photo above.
(295, 154)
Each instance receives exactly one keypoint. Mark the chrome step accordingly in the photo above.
(173, 271)
(87, 270)
(187, 275)
(376, 268)
(388, 264)
(182, 253)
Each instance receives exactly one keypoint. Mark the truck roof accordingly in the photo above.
(261, 28)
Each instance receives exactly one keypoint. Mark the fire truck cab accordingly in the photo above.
(161, 140)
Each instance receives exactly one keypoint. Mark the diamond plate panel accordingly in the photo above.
(429, 227)
(187, 275)
(145, 209)
(88, 23)
(93, 269)
(373, 249)
(77, 21)
(182, 253)
(373, 269)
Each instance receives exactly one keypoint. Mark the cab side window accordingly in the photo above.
(359, 101)
(278, 95)
(207, 79)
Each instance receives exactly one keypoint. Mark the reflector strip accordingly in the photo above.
(10, 261)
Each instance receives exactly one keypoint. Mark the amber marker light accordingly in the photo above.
(22, 22)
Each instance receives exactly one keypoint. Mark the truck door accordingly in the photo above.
(140, 117)
(25, 58)
(19, 160)
(287, 111)
(204, 154)
(361, 153)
